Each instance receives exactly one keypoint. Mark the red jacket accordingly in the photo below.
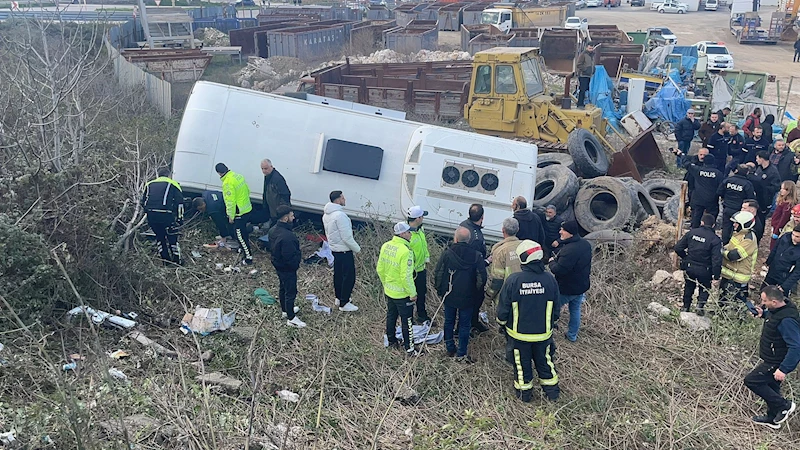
(781, 216)
(751, 124)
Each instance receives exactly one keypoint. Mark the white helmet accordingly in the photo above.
(745, 219)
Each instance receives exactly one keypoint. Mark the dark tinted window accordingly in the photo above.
(354, 159)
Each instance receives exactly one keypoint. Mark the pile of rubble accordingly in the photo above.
(268, 74)
(391, 56)
(212, 37)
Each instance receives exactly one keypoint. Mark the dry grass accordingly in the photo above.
(631, 381)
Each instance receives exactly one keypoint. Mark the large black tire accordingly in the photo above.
(603, 203)
(555, 185)
(643, 205)
(550, 159)
(609, 240)
(671, 209)
(661, 190)
(588, 154)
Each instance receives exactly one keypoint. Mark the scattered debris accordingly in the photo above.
(420, 332)
(660, 276)
(117, 374)
(102, 318)
(264, 296)
(69, 366)
(253, 271)
(207, 355)
(218, 379)
(659, 309)
(196, 254)
(212, 37)
(147, 342)
(391, 56)
(76, 357)
(678, 276)
(9, 437)
(206, 321)
(407, 396)
(316, 306)
(280, 436)
(118, 354)
(268, 74)
(695, 322)
(139, 424)
(484, 317)
(219, 266)
(655, 234)
(288, 396)
(3, 362)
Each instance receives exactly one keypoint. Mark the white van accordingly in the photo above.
(711, 5)
(384, 165)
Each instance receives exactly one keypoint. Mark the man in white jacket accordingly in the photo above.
(339, 230)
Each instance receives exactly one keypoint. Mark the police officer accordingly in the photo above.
(756, 143)
(735, 148)
(162, 201)
(700, 251)
(706, 179)
(212, 204)
(396, 271)
(419, 245)
(527, 303)
(734, 190)
(236, 194)
(767, 182)
(738, 258)
(718, 146)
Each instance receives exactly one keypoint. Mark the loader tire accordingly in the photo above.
(588, 154)
(610, 241)
(603, 203)
(555, 185)
(643, 205)
(671, 209)
(550, 159)
(661, 190)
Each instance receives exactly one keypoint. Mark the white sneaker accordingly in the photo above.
(336, 302)
(296, 322)
(350, 307)
(296, 310)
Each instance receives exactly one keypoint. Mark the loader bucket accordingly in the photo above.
(637, 158)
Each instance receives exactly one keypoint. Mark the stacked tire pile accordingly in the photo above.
(604, 206)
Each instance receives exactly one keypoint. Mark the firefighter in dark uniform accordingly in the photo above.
(528, 300)
(706, 179)
(700, 251)
(734, 190)
(162, 200)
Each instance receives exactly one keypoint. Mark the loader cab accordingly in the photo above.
(504, 79)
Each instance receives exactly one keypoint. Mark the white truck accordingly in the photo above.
(384, 165)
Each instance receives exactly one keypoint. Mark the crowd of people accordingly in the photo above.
(751, 177)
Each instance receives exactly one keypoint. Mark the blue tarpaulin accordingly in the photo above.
(669, 103)
(600, 89)
(688, 56)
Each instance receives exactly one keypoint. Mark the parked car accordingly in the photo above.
(667, 36)
(711, 5)
(576, 23)
(240, 3)
(672, 6)
(593, 3)
(580, 4)
(637, 2)
(719, 58)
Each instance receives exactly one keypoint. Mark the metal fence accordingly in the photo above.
(157, 91)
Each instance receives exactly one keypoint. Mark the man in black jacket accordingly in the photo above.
(684, 133)
(718, 146)
(751, 205)
(526, 311)
(734, 190)
(706, 180)
(696, 159)
(779, 350)
(286, 258)
(700, 251)
(709, 128)
(162, 201)
(475, 225)
(736, 149)
(213, 204)
(783, 160)
(766, 182)
(759, 141)
(572, 267)
(459, 277)
(784, 263)
(552, 223)
(530, 226)
(276, 191)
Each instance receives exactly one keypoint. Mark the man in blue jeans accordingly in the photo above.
(572, 267)
(459, 277)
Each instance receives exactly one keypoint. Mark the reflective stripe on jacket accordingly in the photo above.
(419, 245)
(396, 269)
(739, 257)
(236, 194)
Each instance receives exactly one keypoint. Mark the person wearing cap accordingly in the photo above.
(459, 276)
(739, 257)
(286, 256)
(572, 267)
(339, 231)
(527, 311)
(700, 251)
(474, 224)
(734, 190)
(236, 195)
(419, 245)
(705, 178)
(396, 271)
(162, 201)
(684, 133)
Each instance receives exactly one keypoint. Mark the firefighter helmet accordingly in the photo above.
(745, 219)
(796, 210)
